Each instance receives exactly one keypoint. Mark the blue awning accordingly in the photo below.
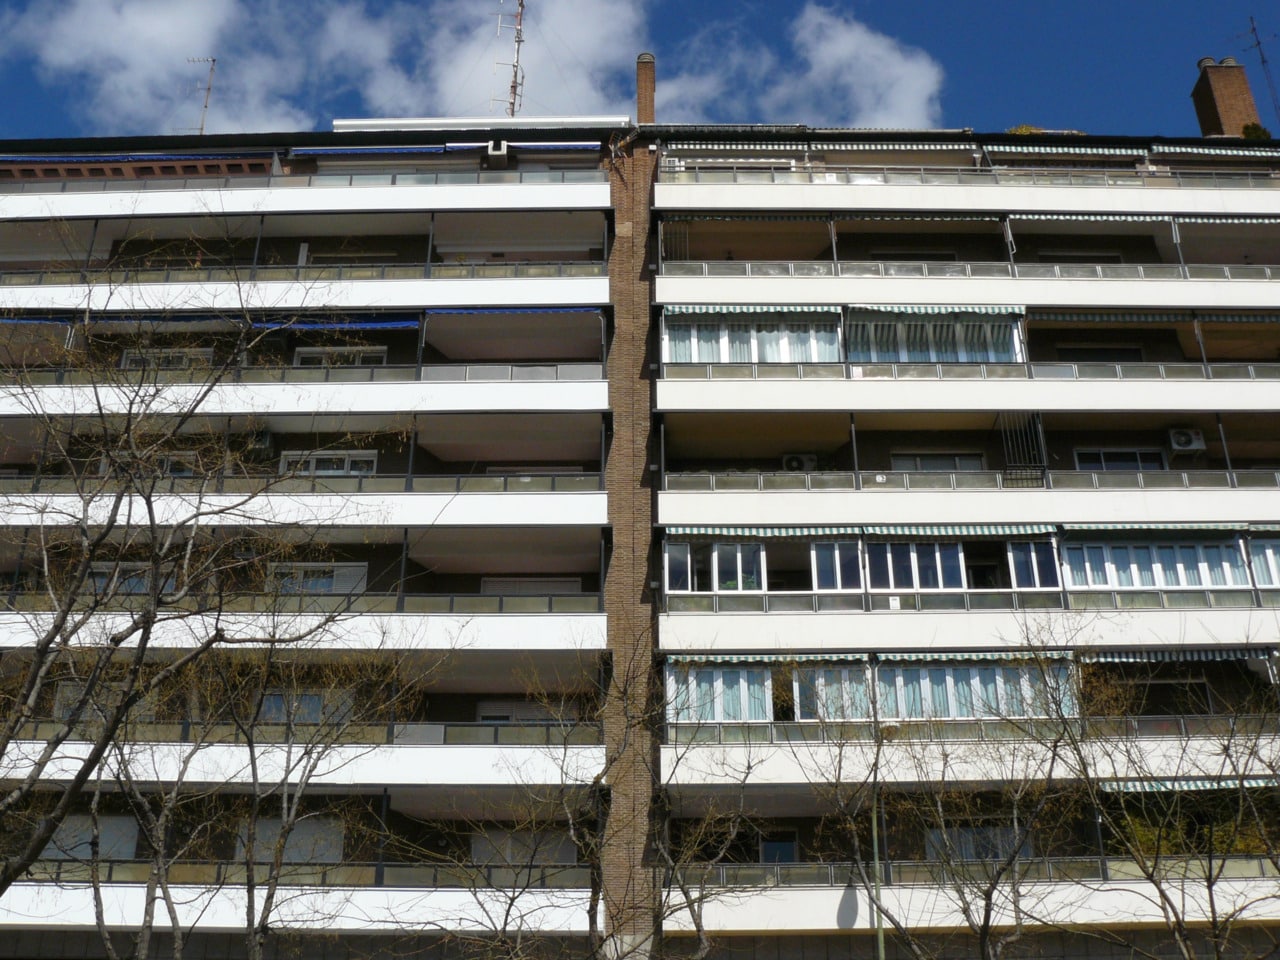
(361, 151)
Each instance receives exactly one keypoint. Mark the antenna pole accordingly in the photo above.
(515, 93)
(1266, 68)
(208, 87)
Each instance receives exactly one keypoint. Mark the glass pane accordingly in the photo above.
(990, 701)
(1046, 563)
(1144, 563)
(885, 336)
(860, 343)
(1235, 563)
(757, 695)
(705, 705)
(850, 575)
(888, 693)
(752, 569)
(727, 567)
(1076, 566)
(824, 561)
(952, 569)
(1023, 571)
(806, 694)
(912, 701)
(945, 348)
(731, 691)
(1168, 567)
(1003, 342)
(859, 702)
(878, 565)
(900, 554)
(1262, 564)
(679, 343)
(1090, 460)
(708, 343)
(1120, 560)
(677, 566)
(826, 341)
(962, 685)
(1213, 557)
(798, 343)
(832, 695)
(916, 335)
(1190, 566)
(769, 343)
(1097, 558)
(680, 708)
(739, 343)
(1014, 702)
(938, 695)
(1150, 460)
(927, 564)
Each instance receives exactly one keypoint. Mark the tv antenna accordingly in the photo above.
(515, 93)
(208, 87)
(1266, 68)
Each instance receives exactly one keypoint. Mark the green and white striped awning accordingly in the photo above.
(764, 532)
(1227, 220)
(748, 217)
(893, 145)
(702, 309)
(1094, 217)
(946, 530)
(1182, 786)
(1178, 655)
(919, 217)
(1075, 151)
(766, 658)
(1137, 526)
(977, 656)
(773, 146)
(1127, 316)
(1261, 153)
(929, 309)
(1264, 527)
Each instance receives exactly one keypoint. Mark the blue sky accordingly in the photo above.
(108, 67)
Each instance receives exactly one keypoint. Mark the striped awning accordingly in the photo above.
(1140, 525)
(1260, 152)
(1181, 786)
(1178, 655)
(929, 309)
(920, 218)
(795, 146)
(1128, 316)
(1227, 220)
(748, 217)
(766, 658)
(1094, 217)
(976, 656)
(764, 532)
(681, 309)
(893, 145)
(959, 530)
(1264, 527)
(1075, 151)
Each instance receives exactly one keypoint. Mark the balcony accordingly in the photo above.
(976, 480)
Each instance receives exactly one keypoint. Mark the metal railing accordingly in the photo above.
(857, 370)
(294, 181)
(933, 873)
(302, 274)
(312, 604)
(385, 373)
(1043, 730)
(206, 873)
(974, 480)
(266, 485)
(968, 176)
(858, 601)
(809, 269)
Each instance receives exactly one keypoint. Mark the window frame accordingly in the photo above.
(918, 467)
(191, 356)
(902, 349)
(838, 565)
(277, 569)
(328, 356)
(1138, 452)
(1234, 575)
(683, 700)
(915, 586)
(724, 327)
(960, 686)
(714, 568)
(291, 459)
(1265, 553)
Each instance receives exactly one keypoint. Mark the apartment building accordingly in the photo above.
(579, 536)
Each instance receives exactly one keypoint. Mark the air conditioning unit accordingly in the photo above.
(261, 442)
(1185, 441)
(800, 462)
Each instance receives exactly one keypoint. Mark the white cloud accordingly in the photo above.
(287, 66)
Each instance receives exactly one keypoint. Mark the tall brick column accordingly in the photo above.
(630, 895)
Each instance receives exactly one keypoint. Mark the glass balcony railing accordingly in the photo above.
(933, 873)
(311, 604)
(1047, 731)
(970, 371)
(522, 734)
(219, 874)
(967, 176)
(351, 273)
(975, 480)
(863, 270)
(290, 181)
(431, 373)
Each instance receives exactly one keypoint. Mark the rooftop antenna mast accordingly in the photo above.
(515, 93)
(1266, 68)
(208, 86)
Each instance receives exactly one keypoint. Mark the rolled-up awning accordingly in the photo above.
(975, 530)
(764, 532)
(1178, 655)
(766, 658)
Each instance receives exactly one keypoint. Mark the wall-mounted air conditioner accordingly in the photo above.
(1182, 440)
(800, 462)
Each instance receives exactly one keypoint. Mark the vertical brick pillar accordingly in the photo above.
(646, 87)
(630, 894)
(1222, 98)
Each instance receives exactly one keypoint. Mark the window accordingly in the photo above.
(909, 338)
(915, 566)
(126, 578)
(831, 692)
(945, 691)
(497, 847)
(1123, 566)
(779, 846)
(936, 462)
(1035, 565)
(69, 693)
(304, 706)
(176, 358)
(719, 695)
(179, 464)
(333, 578)
(1120, 459)
(1266, 562)
(330, 463)
(340, 357)
(974, 842)
(715, 568)
(795, 340)
(836, 566)
(311, 840)
(117, 838)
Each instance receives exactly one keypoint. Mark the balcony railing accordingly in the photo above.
(933, 873)
(521, 734)
(970, 371)
(432, 373)
(303, 274)
(53, 484)
(1042, 730)
(809, 269)
(290, 181)
(466, 604)
(976, 480)
(206, 873)
(967, 176)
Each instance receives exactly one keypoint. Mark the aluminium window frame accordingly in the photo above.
(1139, 452)
(302, 463)
(726, 326)
(328, 356)
(686, 705)
(714, 568)
(1233, 575)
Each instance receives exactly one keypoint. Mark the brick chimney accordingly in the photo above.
(1223, 101)
(646, 83)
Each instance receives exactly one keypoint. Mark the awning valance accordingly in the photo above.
(948, 530)
(1094, 217)
(1228, 220)
(1180, 786)
(362, 151)
(919, 217)
(1137, 526)
(749, 217)
(929, 309)
(682, 309)
(976, 656)
(764, 532)
(1178, 655)
(1262, 153)
(774, 146)
(893, 145)
(1075, 151)
(767, 658)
